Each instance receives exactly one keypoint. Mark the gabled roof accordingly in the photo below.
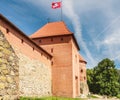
(81, 59)
(52, 29)
(23, 34)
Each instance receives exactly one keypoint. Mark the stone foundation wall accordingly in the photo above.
(35, 77)
(84, 90)
(21, 75)
(9, 75)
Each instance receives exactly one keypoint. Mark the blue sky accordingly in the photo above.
(95, 23)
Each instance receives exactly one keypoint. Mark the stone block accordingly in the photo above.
(5, 72)
(3, 67)
(3, 61)
(6, 45)
(1, 48)
(6, 51)
(2, 78)
(1, 54)
(2, 85)
(9, 91)
(1, 43)
(6, 97)
(12, 73)
(11, 58)
(1, 98)
(9, 79)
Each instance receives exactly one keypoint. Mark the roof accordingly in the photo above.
(52, 29)
(23, 34)
(82, 59)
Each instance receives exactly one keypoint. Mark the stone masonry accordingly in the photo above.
(8, 71)
(35, 77)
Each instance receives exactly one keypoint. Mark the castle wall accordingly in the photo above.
(60, 48)
(75, 68)
(80, 86)
(35, 77)
(83, 79)
(34, 63)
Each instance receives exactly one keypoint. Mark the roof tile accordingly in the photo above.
(52, 29)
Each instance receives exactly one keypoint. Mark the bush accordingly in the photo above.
(118, 96)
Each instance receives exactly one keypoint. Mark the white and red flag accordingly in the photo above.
(56, 5)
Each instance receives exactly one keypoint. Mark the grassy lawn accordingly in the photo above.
(50, 98)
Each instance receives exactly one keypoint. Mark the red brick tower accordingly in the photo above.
(67, 64)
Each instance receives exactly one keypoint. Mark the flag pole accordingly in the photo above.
(61, 10)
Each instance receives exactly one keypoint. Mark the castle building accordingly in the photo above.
(48, 62)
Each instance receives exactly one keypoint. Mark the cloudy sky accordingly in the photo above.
(95, 23)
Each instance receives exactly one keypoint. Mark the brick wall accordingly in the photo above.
(60, 48)
(75, 67)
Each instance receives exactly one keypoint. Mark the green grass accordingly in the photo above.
(93, 96)
(50, 98)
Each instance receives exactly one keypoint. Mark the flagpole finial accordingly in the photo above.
(56, 5)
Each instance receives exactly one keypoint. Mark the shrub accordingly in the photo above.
(118, 96)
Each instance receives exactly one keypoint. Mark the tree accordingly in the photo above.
(90, 79)
(119, 74)
(105, 79)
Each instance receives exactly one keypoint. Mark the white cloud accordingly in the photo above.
(106, 43)
(75, 18)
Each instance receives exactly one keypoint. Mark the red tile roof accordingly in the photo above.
(82, 59)
(52, 29)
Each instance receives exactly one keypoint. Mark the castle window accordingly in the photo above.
(22, 40)
(51, 39)
(76, 58)
(41, 54)
(61, 39)
(40, 41)
(52, 63)
(51, 50)
(33, 48)
(84, 78)
(81, 71)
(76, 77)
(7, 30)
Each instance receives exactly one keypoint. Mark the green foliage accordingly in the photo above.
(119, 74)
(104, 78)
(118, 96)
(50, 98)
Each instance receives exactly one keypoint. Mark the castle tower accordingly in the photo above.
(67, 71)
